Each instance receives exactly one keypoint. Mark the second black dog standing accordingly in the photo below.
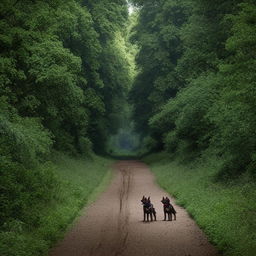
(168, 209)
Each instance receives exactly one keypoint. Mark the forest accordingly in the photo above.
(81, 80)
(194, 94)
(57, 94)
(194, 100)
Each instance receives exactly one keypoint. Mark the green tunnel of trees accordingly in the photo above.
(66, 72)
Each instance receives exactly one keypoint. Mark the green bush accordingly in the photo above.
(38, 205)
(195, 91)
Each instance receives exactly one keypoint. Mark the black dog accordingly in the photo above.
(168, 209)
(148, 209)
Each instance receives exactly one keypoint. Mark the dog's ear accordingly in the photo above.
(163, 197)
(149, 198)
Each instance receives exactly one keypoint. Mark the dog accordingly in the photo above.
(168, 209)
(148, 209)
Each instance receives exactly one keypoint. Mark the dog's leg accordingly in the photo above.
(151, 216)
(155, 215)
(164, 215)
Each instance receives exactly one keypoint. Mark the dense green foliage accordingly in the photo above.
(225, 211)
(63, 81)
(53, 70)
(195, 97)
(66, 70)
(125, 141)
(74, 185)
(195, 91)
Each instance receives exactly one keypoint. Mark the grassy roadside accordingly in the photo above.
(78, 183)
(225, 211)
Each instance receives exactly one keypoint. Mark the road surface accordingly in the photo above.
(114, 226)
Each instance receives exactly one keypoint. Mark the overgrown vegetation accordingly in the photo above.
(194, 94)
(125, 141)
(194, 98)
(47, 201)
(63, 80)
(225, 211)
(67, 68)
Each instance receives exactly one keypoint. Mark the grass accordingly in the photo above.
(79, 183)
(226, 211)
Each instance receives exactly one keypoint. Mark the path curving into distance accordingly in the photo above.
(113, 225)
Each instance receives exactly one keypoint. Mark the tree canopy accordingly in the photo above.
(63, 81)
(195, 90)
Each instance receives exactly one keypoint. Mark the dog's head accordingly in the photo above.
(165, 200)
(145, 200)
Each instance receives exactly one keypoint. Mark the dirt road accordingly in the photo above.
(113, 225)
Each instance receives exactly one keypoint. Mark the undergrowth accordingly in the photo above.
(76, 183)
(226, 211)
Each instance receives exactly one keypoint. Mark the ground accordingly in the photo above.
(113, 225)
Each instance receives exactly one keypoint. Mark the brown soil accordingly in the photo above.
(113, 225)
